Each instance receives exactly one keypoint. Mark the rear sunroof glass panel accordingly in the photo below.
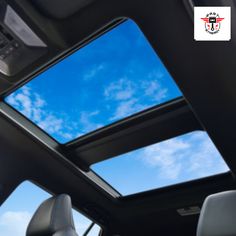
(113, 77)
(184, 158)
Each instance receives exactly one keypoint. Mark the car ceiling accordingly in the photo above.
(204, 71)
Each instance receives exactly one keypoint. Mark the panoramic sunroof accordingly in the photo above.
(187, 157)
(113, 77)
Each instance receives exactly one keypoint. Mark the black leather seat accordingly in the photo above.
(53, 218)
(218, 215)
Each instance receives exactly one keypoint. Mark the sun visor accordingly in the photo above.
(60, 9)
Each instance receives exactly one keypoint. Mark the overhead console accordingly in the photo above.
(19, 45)
(35, 35)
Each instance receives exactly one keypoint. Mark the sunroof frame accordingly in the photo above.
(70, 150)
(66, 149)
(61, 151)
(109, 164)
(57, 59)
(172, 118)
(104, 30)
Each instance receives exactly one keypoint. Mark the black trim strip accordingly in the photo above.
(145, 128)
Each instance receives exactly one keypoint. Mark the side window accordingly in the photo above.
(94, 231)
(82, 224)
(18, 209)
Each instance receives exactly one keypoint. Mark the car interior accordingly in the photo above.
(36, 36)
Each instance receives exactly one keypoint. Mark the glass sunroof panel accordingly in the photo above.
(113, 77)
(187, 157)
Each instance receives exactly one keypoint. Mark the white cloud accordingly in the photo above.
(184, 158)
(123, 89)
(205, 159)
(93, 71)
(126, 108)
(166, 156)
(86, 121)
(154, 90)
(34, 107)
(14, 223)
(50, 123)
(23, 101)
(132, 96)
(122, 98)
(156, 74)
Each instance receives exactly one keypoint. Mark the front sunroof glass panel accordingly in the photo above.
(111, 78)
(184, 158)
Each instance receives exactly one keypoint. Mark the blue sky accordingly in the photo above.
(18, 209)
(187, 157)
(113, 77)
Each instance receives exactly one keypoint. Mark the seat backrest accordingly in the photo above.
(218, 215)
(53, 218)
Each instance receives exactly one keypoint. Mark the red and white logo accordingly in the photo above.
(212, 23)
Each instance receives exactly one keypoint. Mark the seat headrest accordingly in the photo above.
(218, 215)
(52, 217)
